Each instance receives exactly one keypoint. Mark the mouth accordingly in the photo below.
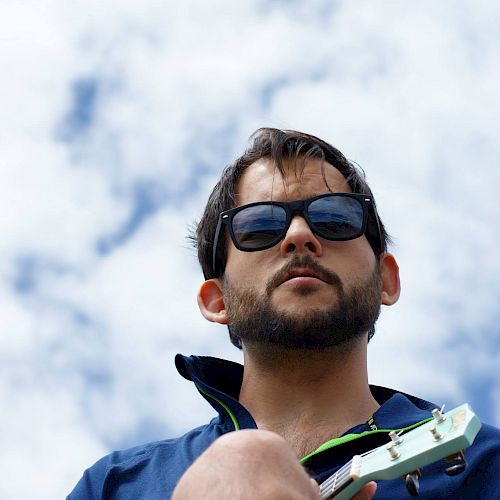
(301, 275)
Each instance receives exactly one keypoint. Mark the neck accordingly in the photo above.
(291, 391)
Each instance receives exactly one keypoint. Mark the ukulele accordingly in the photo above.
(445, 436)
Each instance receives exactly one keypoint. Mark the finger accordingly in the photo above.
(315, 485)
(366, 492)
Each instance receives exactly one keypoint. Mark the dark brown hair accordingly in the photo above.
(275, 145)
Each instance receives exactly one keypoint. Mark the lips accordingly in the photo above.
(303, 266)
(300, 273)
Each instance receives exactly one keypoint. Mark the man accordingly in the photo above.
(296, 265)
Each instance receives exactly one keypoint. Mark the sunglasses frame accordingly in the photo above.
(370, 227)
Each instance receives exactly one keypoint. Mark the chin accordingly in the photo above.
(305, 290)
(303, 312)
(302, 295)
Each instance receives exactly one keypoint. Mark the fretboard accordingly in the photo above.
(340, 479)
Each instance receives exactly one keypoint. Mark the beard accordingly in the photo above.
(351, 316)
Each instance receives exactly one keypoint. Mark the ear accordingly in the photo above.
(389, 276)
(211, 301)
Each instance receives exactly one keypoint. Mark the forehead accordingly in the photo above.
(262, 181)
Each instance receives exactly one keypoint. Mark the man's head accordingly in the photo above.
(306, 281)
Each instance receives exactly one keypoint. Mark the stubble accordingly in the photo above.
(351, 315)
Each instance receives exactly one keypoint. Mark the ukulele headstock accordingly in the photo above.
(445, 436)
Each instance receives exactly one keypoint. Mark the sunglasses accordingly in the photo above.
(333, 216)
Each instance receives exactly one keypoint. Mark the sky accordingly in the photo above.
(116, 121)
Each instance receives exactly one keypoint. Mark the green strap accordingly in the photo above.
(351, 437)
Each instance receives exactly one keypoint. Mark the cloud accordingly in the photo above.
(115, 123)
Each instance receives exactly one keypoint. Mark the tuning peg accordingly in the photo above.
(438, 415)
(412, 482)
(436, 434)
(395, 438)
(456, 464)
(391, 448)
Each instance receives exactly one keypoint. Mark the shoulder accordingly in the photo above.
(490, 434)
(485, 451)
(480, 479)
(139, 471)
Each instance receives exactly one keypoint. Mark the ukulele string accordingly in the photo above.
(342, 473)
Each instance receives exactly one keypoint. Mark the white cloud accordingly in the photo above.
(87, 338)
(46, 442)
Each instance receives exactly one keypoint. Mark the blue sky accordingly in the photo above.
(116, 122)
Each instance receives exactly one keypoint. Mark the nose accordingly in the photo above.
(300, 239)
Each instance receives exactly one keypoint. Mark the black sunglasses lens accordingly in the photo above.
(337, 217)
(258, 226)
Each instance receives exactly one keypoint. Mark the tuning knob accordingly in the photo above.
(412, 482)
(438, 415)
(395, 438)
(391, 448)
(436, 434)
(456, 464)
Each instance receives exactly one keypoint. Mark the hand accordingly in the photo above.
(246, 465)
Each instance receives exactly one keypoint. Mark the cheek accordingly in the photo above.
(244, 268)
(352, 260)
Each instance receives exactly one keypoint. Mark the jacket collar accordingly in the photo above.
(219, 382)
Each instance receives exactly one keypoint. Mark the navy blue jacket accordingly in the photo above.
(151, 471)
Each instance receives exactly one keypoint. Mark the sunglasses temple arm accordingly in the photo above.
(216, 245)
(377, 222)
